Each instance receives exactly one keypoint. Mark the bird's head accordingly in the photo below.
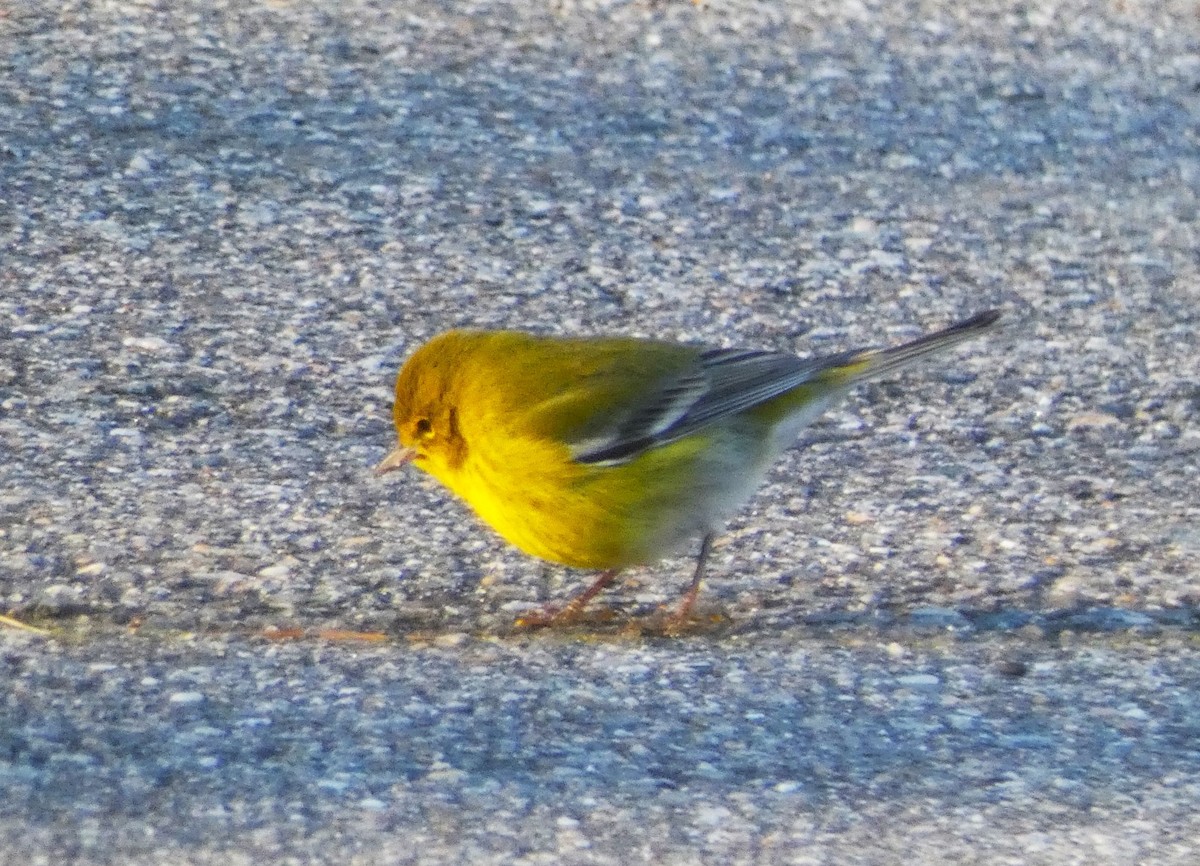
(426, 411)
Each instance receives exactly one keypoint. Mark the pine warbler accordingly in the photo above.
(610, 452)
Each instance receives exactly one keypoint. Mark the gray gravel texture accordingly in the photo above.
(960, 620)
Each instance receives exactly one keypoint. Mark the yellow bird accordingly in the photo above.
(611, 452)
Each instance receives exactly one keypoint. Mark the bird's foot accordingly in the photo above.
(544, 617)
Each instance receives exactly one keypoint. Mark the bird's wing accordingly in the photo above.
(644, 408)
(719, 383)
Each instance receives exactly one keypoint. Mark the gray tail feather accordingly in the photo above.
(887, 360)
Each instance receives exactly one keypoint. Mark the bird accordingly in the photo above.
(606, 453)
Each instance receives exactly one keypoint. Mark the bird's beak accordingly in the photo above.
(396, 460)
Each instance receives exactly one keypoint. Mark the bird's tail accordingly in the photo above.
(873, 363)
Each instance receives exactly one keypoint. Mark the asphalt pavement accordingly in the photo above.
(958, 624)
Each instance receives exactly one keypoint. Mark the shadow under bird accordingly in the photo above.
(606, 453)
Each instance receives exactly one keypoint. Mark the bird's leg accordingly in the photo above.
(570, 611)
(681, 616)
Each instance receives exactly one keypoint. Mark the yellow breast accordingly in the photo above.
(594, 517)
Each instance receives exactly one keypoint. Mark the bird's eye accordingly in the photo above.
(424, 428)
